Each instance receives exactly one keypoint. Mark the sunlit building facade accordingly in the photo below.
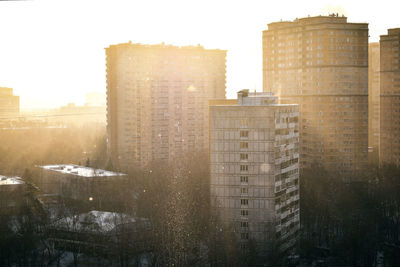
(254, 164)
(157, 100)
(373, 102)
(321, 63)
(390, 98)
(9, 103)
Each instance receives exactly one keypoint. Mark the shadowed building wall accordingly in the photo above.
(390, 98)
(157, 100)
(321, 63)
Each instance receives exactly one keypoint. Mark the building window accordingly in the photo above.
(244, 179)
(244, 145)
(244, 168)
(244, 190)
(244, 236)
(244, 212)
(244, 201)
(244, 224)
(244, 123)
(244, 156)
(244, 133)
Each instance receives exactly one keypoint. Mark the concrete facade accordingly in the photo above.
(157, 100)
(389, 152)
(321, 63)
(254, 163)
(78, 183)
(373, 102)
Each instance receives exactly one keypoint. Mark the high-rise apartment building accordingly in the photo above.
(157, 100)
(9, 103)
(373, 101)
(389, 152)
(254, 169)
(321, 63)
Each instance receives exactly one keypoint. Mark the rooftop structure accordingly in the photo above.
(256, 99)
(80, 170)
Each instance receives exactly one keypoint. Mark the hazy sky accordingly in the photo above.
(52, 52)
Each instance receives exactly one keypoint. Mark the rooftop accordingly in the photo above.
(80, 170)
(4, 180)
(254, 99)
(313, 20)
(393, 31)
(162, 46)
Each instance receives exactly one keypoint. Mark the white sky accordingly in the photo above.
(52, 52)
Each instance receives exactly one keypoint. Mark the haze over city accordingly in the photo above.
(199, 133)
(52, 52)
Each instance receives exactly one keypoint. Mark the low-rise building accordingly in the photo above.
(79, 183)
(12, 195)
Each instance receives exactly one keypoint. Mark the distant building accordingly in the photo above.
(73, 115)
(321, 63)
(373, 101)
(389, 152)
(157, 100)
(79, 183)
(254, 163)
(9, 103)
